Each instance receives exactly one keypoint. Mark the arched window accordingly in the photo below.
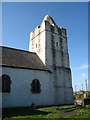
(35, 86)
(6, 83)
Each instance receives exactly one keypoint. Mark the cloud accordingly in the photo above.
(82, 67)
(84, 76)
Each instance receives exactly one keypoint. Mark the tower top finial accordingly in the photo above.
(47, 12)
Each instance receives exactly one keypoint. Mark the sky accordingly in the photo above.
(20, 18)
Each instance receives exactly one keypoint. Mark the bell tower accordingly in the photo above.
(50, 43)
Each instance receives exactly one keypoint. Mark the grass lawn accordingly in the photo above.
(53, 113)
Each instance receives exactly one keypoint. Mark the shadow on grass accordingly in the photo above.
(68, 109)
(23, 111)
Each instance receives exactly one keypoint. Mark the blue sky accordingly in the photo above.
(19, 19)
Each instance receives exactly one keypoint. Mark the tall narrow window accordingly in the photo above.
(35, 86)
(56, 44)
(36, 45)
(6, 83)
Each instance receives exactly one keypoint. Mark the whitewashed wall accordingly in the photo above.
(20, 94)
(37, 41)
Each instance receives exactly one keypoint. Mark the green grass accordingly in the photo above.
(67, 111)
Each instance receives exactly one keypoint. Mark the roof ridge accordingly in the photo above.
(17, 49)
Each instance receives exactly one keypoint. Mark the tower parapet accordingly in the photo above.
(50, 36)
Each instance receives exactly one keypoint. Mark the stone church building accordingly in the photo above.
(41, 75)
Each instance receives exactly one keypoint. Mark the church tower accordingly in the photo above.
(50, 43)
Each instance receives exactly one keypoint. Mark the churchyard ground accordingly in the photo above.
(52, 112)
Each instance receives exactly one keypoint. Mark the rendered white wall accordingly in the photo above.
(20, 94)
(37, 38)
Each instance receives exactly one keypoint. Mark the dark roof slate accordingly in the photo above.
(21, 59)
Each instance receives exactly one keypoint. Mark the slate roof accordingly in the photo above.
(20, 59)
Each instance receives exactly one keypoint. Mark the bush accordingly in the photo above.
(88, 94)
